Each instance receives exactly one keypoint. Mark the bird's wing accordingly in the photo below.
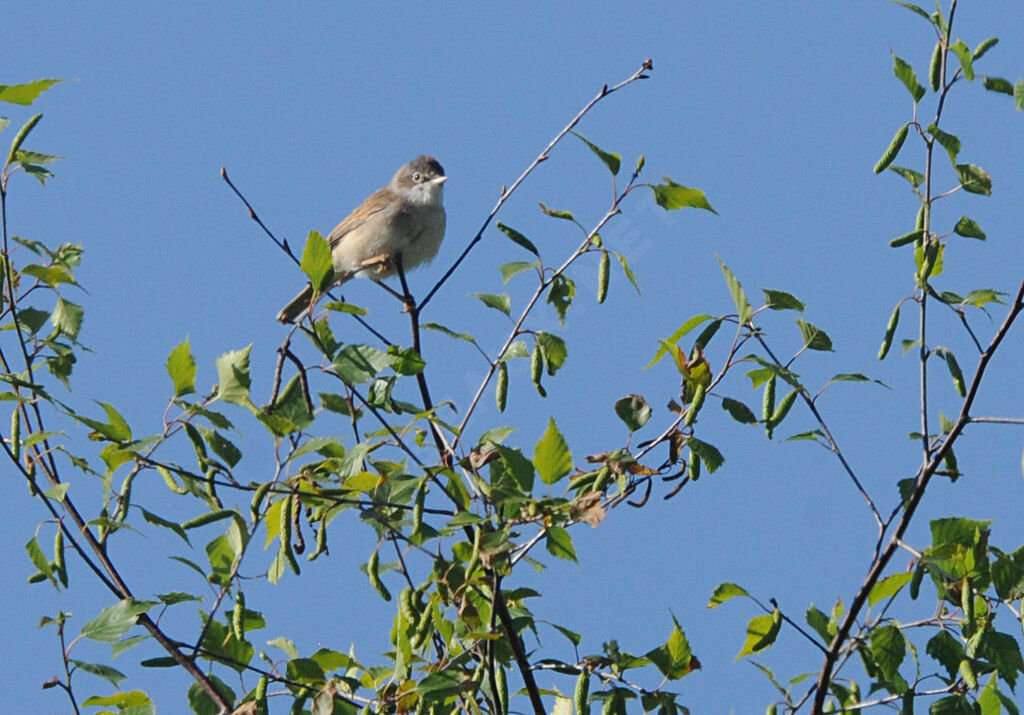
(374, 204)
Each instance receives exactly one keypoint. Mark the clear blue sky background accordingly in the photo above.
(777, 111)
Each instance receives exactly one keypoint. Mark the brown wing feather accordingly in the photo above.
(376, 203)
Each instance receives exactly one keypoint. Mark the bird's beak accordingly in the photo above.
(440, 180)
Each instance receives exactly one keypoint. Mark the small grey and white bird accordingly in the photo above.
(405, 218)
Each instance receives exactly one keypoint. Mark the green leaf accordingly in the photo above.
(222, 446)
(675, 336)
(814, 337)
(67, 318)
(628, 271)
(780, 300)
(25, 94)
(560, 296)
(612, 161)
(510, 269)
(888, 649)
(949, 142)
(519, 239)
(739, 298)
(853, 377)
(974, 179)
(181, 366)
(38, 558)
(634, 411)
(551, 456)
(905, 73)
(511, 469)
(554, 350)
(115, 678)
(502, 302)
(761, 633)
(912, 8)
(968, 228)
(406, 361)
(888, 587)
(725, 592)
(166, 524)
(674, 657)
(740, 412)
(559, 543)
(436, 327)
(998, 84)
(708, 454)
(916, 178)
(966, 57)
(672, 196)
(233, 376)
(817, 620)
(357, 364)
(114, 621)
(956, 374)
(566, 215)
(134, 702)
(316, 261)
(1018, 95)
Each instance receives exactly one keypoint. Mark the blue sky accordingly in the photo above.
(777, 112)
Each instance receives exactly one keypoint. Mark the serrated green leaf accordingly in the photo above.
(949, 142)
(233, 376)
(114, 621)
(968, 228)
(554, 350)
(510, 269)
(25, 94)
(67, 318)
(966, 57)
(781, 300)
(672, 196)
(551, 456)
(708, 454)
(739, 411)
(406, 361)
(905, 73)
(559, 543)
(358, 364)
(761, 633)
(888, 648)
(814, 337)
(634, 411)
(181, 366)
(739, 298)
(518, 238)
(628, 271)
(888, 587)
(675, 337)
(913, 8)
(316, 260)
(560, 295)
(724, 592)
(556, 213)
(437, 327)
(974, 179)
(612, 161)
(916, 178)
(500, 302)
(673, 658)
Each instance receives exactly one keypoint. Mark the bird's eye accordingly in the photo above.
(417, 177)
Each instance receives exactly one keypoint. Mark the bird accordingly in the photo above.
(403, 221)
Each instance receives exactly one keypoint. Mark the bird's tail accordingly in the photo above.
(297, 306)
